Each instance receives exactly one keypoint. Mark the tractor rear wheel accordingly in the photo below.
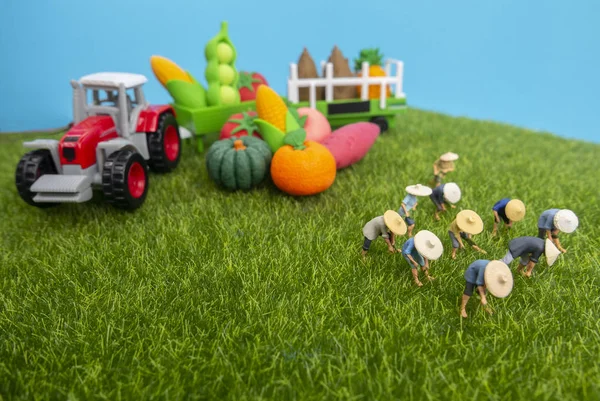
(382, 122)
(125, 179)
(32, 166)
(164, 145)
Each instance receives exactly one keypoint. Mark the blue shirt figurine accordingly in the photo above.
(415, 249)
(553, 221)
(499, 282)
(509, 211)
(410, 202)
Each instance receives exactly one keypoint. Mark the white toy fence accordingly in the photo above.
(329, 82)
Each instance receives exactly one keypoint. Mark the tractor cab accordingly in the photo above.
(116, 94)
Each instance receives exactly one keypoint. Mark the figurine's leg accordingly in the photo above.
(454, 244)
(410, 225)
(366, 246)
(522, 263)
(415, 274)
(530, 267)
(469, 287)
(508, 258)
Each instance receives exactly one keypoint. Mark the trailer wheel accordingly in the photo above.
(382, 122)
(32, 166)
(164, 145)
(125, 179)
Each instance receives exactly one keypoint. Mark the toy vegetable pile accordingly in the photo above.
(302, 164)
(226, 86)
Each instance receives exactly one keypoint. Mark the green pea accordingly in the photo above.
(229, 95)
(226, 74)
(220, 70)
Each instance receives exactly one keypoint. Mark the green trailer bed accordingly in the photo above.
(210, 120)
(343, 112)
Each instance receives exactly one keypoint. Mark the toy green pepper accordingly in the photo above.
(221, 75)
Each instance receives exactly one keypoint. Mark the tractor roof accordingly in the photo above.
(113, 79)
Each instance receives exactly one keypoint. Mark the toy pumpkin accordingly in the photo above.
(302, 167)
(238, 163)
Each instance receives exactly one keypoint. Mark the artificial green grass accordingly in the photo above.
(204, 294)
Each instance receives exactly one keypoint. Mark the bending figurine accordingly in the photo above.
(553, 221)
(387, 226)
(509, 211)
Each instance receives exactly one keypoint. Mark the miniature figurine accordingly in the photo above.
(445, 193)
(509, 210)
(493, 276)
(410, 203)
(529, 249)
(552, 221)
(443, 166)
(387, 226)
(466, 223)
(419, 250)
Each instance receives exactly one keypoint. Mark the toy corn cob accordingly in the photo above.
(166, 70)
(271, 107)
(181, 85)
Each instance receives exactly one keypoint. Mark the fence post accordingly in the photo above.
(399, 72)
(365, 83)
(292, 84)
(313, 96)
(329, 82)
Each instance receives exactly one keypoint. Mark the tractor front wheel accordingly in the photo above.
(382, 122)
(32, 166)
(125, 179)
(164, 145)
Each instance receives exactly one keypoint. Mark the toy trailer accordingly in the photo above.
(208, 120)
(381, 111)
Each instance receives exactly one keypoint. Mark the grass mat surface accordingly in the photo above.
(204, 294)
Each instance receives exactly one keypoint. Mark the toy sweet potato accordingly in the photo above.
(350, 143)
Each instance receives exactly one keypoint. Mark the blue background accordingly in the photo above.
(532, 63)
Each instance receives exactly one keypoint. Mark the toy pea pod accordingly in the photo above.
(221, 74)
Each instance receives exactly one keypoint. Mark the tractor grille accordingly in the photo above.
(69, 154)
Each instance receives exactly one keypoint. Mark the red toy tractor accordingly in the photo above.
(116, 137)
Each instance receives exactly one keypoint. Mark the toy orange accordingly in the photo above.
(302, 167)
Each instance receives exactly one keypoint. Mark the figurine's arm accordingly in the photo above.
(414, 262)
(496, 217)
(560, 248)
(481, 290)
(460, 240)
(390, 244)
(405, 210)
(415, 206)
(435, 169)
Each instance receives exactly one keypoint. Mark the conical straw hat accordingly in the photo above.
(551, 252)
(428, 245)
(449, 157)
(566, 221)
(452, 192)
(469, 222)
(498, 279)
(515, 210)
(419, 190)
(394, 222)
